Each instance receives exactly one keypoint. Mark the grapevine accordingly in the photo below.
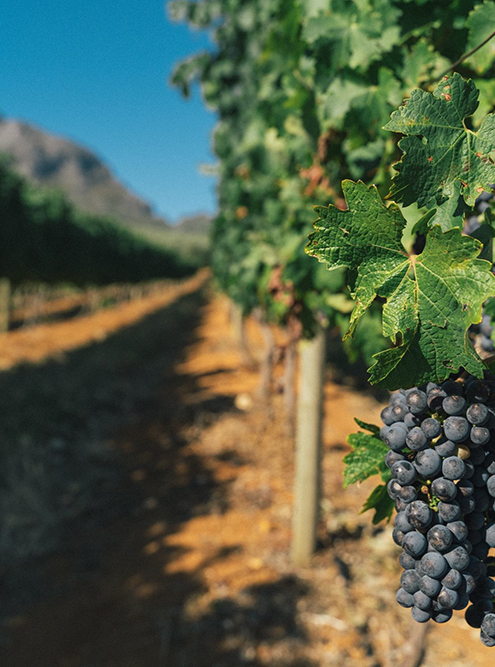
(304, 91)
(436, 449)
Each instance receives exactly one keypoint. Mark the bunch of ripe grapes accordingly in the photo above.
(442, 462)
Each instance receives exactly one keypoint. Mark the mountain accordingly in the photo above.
(195, 224)
(51, 161)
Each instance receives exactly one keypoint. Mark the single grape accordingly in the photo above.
(410, 580)
(477, 414)
(488, 625)
(490, 534)
(469, 582)
(445, 447)
(407, 562)
(419, 514)
(444, 489)
(457, 558)
(447, 598)
(397, 399)
(421, 600)
(411, 420)
(490, 485)
(434, 564)
(404, 598)
(408, 494)
(465, 488)
(458, 529)
(429, 586)
(454, 405)
(416, 439)
(453, 580)
(393, 488)
(442, 615)
(387, 416)
(440, 538)
(395, 437)
(404, 472)
(427, 463)
(417, 401)
(453, 468)
(399, 411)
(431, 427)
(449, 511)
(435, 398)
(479, 435)
(401, 523)
(414, 544)
(477, 392)
(486, 639)
(456, 428)
(419, 615)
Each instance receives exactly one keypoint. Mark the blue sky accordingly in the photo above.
(97, 72)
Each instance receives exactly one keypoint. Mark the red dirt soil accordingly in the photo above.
(196, 573)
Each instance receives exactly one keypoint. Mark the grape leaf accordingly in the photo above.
(379, 501)
(430, 299)
(359, 32)
(366, 459)
(439, 149)
(480, 23)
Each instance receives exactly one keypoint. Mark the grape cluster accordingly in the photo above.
(442, 464)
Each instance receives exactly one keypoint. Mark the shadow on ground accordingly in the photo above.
(97, 476)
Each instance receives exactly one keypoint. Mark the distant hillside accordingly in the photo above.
(195, 224)
(54, 162)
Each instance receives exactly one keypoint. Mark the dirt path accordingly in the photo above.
(195, 571)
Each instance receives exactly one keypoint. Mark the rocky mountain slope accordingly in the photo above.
(52, 161)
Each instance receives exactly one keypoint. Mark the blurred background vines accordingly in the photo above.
(302, 89)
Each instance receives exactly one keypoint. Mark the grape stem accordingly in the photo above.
(467, 55)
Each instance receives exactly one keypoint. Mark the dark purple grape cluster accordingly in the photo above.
(442, 464)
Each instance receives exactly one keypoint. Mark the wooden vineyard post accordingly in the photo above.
(240, 337)
(5, 294)
(308, 448)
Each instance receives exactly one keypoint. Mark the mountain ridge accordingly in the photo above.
(52, 161)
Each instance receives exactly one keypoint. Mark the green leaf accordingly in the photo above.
(421, 63)
(358, 32)
(439, 149)
(449, 214)
(480, 22)
(430, 300)
(379, 501)
(372, 428)
(366, 459)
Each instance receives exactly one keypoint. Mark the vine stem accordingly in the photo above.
(467, 55)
